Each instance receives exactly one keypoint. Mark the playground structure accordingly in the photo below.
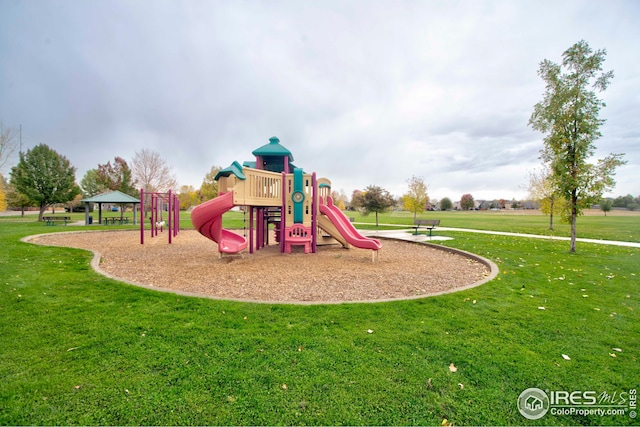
(160, 205)
(276, 192)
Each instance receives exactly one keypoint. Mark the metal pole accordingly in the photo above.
(283, 212)
(176, 214)
(314, 212)
(141, 215)
(154, 214)
(169, 215)
(250, 229)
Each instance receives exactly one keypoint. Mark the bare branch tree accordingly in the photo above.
(8, 144)
(151, 172)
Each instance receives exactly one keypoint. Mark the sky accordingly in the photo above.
(361, 92)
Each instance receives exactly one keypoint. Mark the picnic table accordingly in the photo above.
(51, 220)
(115, 220)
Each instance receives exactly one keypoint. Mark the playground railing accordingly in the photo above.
(260, 188)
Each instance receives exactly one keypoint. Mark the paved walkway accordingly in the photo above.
(407, 234)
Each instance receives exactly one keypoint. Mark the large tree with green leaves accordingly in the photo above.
(568, 115)
(90, 183)
(44, 177)
(376, 199)
(416, 199)
(445, 204)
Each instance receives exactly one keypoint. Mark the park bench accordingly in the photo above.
(51, 220)
(429, 224)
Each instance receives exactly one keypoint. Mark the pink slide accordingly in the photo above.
(344, 226)
(207, 219)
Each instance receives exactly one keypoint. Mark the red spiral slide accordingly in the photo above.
(207, 219)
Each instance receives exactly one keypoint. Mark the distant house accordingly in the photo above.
(485, 205)
(476, 205)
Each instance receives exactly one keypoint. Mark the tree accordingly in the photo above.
(339, 199)
(623, 201)
(45, 177)
(77, 202)
(357, 199)
(445, 204)
(3, 197)
(569, 116)
(15, 199)
(416, 199)
(467, 202)
(8, 144)
(150, 171)
(116, 177)
(209, 186)
(90, 183)
(376, 199)
(188, 196)
(605, 206)
(542, 189)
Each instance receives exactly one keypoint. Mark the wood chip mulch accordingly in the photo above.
(191, 265)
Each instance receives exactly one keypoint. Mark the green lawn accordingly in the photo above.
(624, 228)
(77, 348)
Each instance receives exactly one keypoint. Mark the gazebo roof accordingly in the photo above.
(112, 197)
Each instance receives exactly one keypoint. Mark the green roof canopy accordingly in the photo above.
(234, 169)
(249, 164)
(113, 197)
(273, 148)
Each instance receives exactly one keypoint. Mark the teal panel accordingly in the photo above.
(298, 196)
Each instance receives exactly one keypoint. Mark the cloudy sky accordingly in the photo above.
(362, 92)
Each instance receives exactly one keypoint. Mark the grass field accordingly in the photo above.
(624, 226)
(77, 348)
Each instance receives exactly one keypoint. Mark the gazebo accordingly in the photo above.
(115, 197)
